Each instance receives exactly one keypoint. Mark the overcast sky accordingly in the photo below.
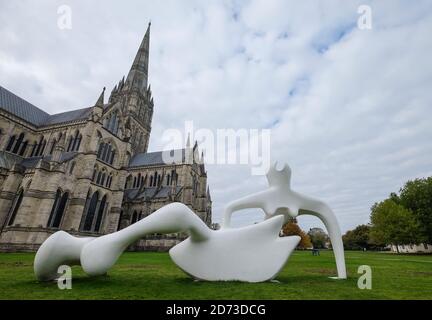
(349, 109)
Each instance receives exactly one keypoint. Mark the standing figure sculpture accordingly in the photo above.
(253, 253)
(280, 199)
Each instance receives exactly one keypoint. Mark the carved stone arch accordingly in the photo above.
(112, 141)
(53, 145)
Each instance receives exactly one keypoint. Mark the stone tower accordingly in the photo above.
(88, 171)
(134, 95)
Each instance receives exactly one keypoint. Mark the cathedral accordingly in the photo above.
(88, 171)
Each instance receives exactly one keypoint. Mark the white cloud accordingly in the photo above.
(348, 108)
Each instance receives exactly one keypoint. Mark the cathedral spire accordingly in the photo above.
(138, 74)
(100, 101)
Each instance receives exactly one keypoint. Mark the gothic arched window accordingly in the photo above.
(134, 217)
(155, 179)
(100, 214)
(70, 141)
(42, 147)
(100, 150)
(106, 152)
(58, 209)
(99, 176)
(91, 211)
(39, 147)
(18, 143)
(10, 143)
(78, 143)
(54, 207)
(33, 152)
(23, 148)
(53, 145)
(74, 141)
(111, 159)
(15, 207)
(109, 180)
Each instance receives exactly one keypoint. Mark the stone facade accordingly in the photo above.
(88, 171)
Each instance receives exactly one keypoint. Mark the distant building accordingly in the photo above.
(88, 171)
(412, 248)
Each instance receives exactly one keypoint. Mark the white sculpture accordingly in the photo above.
(254, 253)
(279, 199)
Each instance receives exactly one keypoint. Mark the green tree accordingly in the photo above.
(291, 228)
(358, 238)
(318, 238)
(416, 196)
(393, 224)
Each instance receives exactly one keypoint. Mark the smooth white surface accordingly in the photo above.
(253, 254)
(59, 249)
(280, 199)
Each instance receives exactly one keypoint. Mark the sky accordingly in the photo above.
(349, 108)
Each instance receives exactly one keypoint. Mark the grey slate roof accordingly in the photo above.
(150, 193)
(152, 158)
(73, 115)
(7, 160)
(32, 162)
(19, 107)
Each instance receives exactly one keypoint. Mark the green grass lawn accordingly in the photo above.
(154, 276)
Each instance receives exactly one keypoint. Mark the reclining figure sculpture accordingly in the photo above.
(253, 253)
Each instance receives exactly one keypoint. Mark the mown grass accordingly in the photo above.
(154, 276)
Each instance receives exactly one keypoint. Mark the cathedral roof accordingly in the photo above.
(80, 114)
(152, 158)
(21, 108)
(28, 112)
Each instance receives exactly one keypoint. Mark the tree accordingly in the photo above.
(291, 228)
(359, 239)
(318, 238)
(393, 224)
(416, 196)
